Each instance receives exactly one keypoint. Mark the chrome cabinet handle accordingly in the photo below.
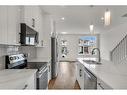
(25, 86)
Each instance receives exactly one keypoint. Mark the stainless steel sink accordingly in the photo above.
(91, 62)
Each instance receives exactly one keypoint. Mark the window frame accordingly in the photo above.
(97, 44)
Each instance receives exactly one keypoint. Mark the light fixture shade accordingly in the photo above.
(91, 28)
(107, 17)
(62, 18)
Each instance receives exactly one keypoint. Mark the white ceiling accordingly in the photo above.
(78, 18)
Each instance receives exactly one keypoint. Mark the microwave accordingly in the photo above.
(28, 36)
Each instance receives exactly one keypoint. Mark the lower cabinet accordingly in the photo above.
(101, 85)
(80, 74)
(30, 83)
(85, 78)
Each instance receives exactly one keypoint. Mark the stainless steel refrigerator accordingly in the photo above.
(54, 57)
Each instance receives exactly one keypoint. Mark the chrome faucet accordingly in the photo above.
(99, 55)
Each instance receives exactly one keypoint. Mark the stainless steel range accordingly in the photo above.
(42, 74)
(19, 61)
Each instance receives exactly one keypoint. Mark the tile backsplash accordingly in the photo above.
(8, 50)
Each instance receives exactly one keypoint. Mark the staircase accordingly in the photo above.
(119, 53)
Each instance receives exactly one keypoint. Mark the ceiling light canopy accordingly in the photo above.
(107, 17)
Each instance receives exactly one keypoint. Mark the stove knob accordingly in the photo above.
(17, 57)
(14, 57)
(11, 58)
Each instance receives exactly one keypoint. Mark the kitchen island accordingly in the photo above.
(18, 79)
(114, 76)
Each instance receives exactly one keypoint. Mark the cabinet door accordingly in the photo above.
(13, 25)
(31, 13)
(3, 24)
(28, 15)
(40, 31)
(77, 71)
(31, 83)
(102, 85)
(39, 26)
(80, 75)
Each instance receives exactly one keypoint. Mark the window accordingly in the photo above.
(86, 44)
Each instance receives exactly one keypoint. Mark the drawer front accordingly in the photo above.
(80, 75)
(102, 85)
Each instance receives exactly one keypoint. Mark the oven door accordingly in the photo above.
(42, 79)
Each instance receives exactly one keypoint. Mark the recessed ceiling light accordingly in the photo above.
(62, 18)
(63, 32)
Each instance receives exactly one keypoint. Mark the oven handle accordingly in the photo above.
(42, 70)
(40, 74)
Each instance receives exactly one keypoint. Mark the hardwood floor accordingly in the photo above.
(66, 78)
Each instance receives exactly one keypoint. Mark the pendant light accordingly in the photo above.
(91, 27)
(107, 17)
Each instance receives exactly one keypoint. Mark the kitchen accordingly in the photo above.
(42, 47)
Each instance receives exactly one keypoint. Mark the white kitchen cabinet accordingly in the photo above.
(80, 75)
(9, 25)
(30, 83)
(101, 85)
(27, 15)
(13, 25)
(12, 16)
(3, 25)
(39, 28)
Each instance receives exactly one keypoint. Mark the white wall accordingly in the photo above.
(72, 45)
(110, 39)
(8, 50)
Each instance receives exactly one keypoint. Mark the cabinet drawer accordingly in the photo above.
(31, 83)
(102, 85)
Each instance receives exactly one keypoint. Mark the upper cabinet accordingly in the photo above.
(13, 25)
(33, 17)
(3, 24)
(9, 25)
(12, 16)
